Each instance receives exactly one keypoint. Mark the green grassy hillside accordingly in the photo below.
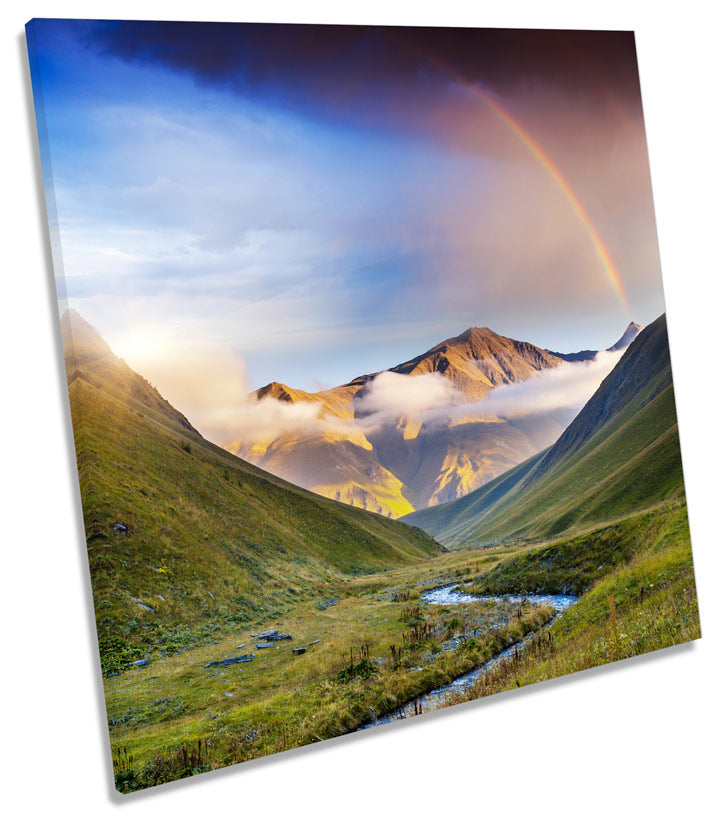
(619, 456)
(643, 602)
(211, 541)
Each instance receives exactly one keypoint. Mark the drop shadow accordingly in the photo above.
(62, 400)
(377, 732)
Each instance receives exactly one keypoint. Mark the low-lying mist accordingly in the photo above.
(211, 387)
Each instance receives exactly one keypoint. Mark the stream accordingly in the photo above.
(450, 596)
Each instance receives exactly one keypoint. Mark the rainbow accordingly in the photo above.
(536, 150)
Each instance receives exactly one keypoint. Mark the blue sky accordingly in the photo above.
(313, 228)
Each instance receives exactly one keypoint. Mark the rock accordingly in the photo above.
(113, 674)
(266, 635)
(243, 658)
(228, 694)
(264, 645)
(120, 527)
(140, 663)
(271, 636)
(332, 601)
(314, 643)
(298, 650)
(143, 606)
(242, 645)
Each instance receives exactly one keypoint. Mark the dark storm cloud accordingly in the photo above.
(335, 67)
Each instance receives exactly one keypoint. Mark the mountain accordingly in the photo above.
(630, 334)
(620, 455)
(404, 464)
(89, 358)
(205, 540)
(624, 341)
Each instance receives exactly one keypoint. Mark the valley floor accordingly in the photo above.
(380, 646)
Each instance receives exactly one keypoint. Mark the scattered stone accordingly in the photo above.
(228, 694)
(314, 643)
(143, 606)
(332, 601)
(271, 636)
(266, 635)
(298, 650)
(264, 645)
(160, 597)
(211, 595)
(140, 663)
(121, 527)
(242, 645)
(243, 658)
(454, 643)
(113, 674)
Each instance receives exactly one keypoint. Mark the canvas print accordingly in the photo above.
(368, 370)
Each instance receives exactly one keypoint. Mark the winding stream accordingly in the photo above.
(449, 596)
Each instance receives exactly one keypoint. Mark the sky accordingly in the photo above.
(239, 204)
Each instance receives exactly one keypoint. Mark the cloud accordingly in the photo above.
(368, 62)
(569, 385)
(431, 399)
(275, 228)
(390, 396)
(210, 385)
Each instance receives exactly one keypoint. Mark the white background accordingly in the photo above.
(637, 739)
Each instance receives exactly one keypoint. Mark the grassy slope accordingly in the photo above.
(212, 540)
(620, 455)
(280, 701)
(574, 565)
(645, 603)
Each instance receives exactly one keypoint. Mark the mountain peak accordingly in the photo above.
(276, 390)
(80, 339)
(473, 333)
(626, 339)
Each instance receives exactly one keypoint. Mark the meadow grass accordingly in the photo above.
(644, 604)
(279, 700)
(378, 648)
(212, 543)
